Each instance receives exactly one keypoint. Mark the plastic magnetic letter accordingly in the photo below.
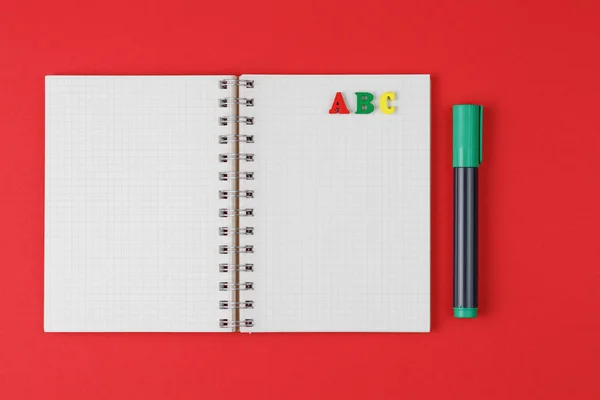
(339, 105)
(384, 103)
(363, 103)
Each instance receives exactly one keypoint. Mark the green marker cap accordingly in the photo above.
(467, 149)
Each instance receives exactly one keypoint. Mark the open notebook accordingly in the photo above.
(218, 203)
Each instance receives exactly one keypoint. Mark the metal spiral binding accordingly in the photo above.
(234, 249)
(225, 139)
(224, 83)
(225, 176)
(224, 194)
(227, 249)
(224, 267)
(224, 286)
(224, 121)
(225, 323)
(236, 212)
(226, 231)
(226, 101)
(226, 157)
(225, 305)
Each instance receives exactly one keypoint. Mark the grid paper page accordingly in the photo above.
(131, 205)
(341, 203)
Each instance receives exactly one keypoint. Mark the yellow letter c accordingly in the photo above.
(384, 102)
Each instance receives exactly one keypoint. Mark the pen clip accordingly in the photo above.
(480, 134)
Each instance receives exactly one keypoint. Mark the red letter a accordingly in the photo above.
(339, 106)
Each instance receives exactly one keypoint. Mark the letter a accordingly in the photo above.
(339, 105)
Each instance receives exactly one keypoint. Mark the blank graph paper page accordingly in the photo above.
(341, 205)
(131, 204)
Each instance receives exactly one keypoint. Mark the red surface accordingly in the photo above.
(532, 64)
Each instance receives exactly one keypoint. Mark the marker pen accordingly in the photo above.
(466, 157)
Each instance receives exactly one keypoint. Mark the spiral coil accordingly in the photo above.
(227, 249)
(226, 231)
(234, 119)
(224, 267)
(225, 286)
(235, 213)
(228, 305)
(224, 83)
(224, 194)
(225, 176)
(225, 139)
(246, 323)
(248, 157)
(225, 102)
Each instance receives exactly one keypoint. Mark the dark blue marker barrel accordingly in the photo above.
(465, 242)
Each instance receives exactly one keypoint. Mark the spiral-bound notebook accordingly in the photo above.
(260, 203)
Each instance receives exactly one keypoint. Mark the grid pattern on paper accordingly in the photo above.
(342, 205)
(131, 208)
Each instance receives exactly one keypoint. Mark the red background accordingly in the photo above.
(533, 64)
